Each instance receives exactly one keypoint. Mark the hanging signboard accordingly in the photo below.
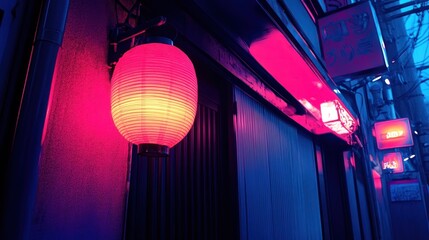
(332, 5)
(393, 161)
(351, 41)
(405, 190)
(393, 133)
(336, 117)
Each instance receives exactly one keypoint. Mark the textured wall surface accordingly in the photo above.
(277, 182)
(82, 176)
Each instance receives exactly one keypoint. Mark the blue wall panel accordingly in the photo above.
(278, 192)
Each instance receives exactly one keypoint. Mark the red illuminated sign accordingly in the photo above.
(336, 118)
(393, 161)
(393, 133)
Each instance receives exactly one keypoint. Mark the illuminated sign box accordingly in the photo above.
(405, 190)
(351, 41)
(393, 161)
(393, 133)
(336, 117)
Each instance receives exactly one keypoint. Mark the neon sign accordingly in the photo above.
(393, 161)
(336, 117)
(393, 133)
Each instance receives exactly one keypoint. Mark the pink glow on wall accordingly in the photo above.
(393, 161)
(277, 55)
(393, 133)
(377, 184)
(83, 165)
(154, 94)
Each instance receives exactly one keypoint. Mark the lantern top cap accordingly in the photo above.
(158, 39)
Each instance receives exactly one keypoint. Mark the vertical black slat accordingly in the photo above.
(186, 163)
(177, 185)
(156, 196)
(189, 185)
(218, 175)
(137, 227)
(203, 181)
(163, 199)
(209, 179)
(135, 184)
(140, 188)
(144, 175)
(215, 177)
(206, 177)
(131, 215)
(173, 197)
(195, 173)
(187, 199)
(182, 214)
(151, 198)
(222, 185)
(200, 173)
(169, 199)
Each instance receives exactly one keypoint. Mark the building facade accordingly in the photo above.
(258, 163)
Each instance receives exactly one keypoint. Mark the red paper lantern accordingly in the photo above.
(154, 95)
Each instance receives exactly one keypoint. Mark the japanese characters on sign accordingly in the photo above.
(351, 41)
(393, 133)
(334, 4)
(393, 161)
(336, 117)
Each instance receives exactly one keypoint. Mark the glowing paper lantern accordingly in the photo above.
(154, 96)
(336, 117)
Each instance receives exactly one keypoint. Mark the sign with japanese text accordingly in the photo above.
(332, 5)
(351, 41)
(393, 161)
(336, 118)
(393, 133)
(405, 190)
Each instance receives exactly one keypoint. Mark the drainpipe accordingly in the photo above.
(23, 171)
(388, 95)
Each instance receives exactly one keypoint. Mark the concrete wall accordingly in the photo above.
(83, 165)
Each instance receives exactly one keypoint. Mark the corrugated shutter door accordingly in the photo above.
(277, 181)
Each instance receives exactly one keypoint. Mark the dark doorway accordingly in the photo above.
(192, 193)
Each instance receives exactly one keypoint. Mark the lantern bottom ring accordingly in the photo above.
(153, 150)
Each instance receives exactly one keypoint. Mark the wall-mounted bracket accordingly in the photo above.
(122, 37)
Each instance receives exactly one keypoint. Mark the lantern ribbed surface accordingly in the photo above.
(154, 94)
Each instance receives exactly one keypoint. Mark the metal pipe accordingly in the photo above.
(23, 172)
(417, 10)
(389, 101)
(398, 7)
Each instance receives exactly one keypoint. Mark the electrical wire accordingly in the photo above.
(411, 89)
